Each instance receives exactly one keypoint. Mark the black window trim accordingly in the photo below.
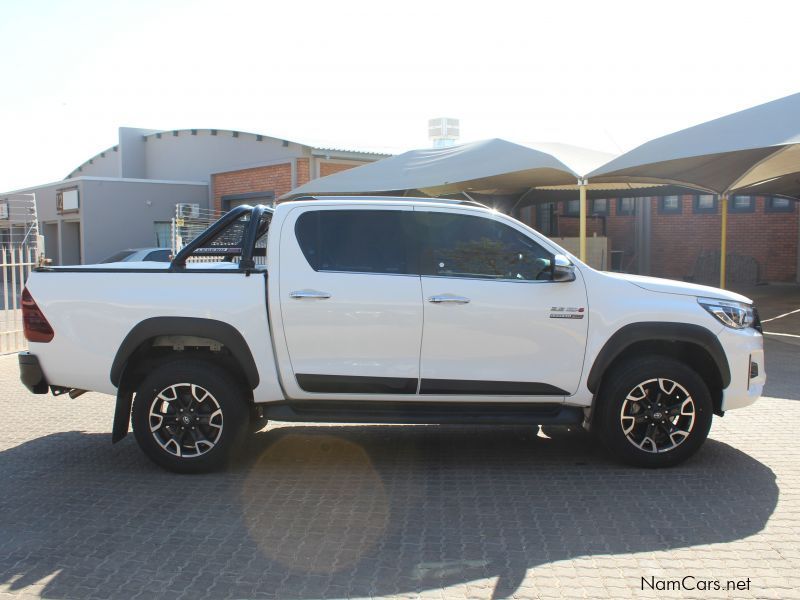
(768, 207)
(663, 210)
(696, 209)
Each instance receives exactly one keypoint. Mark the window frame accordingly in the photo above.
(421, 241)
(572, 213)
(662, 205)
(411, 245)
(60, 200)
(626, 213)
(698, 210)
(600, 213)
(770, 208)
(732, 208)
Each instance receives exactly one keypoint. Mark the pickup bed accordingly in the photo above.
(388, 310)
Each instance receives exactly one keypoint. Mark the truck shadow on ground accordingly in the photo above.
(311, 512)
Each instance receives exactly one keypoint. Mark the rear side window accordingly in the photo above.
(158, 256)
(118, 257)
(357, 241)
(458, 245)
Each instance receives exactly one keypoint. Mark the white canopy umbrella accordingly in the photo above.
(757, 149)
(493, 166)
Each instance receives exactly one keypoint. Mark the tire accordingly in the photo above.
(189, 416)
(653, 411)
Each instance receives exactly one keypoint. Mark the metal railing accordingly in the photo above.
(16, 263)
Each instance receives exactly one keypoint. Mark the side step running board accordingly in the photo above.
(424, 413)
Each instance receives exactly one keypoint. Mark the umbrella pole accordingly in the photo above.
(582, 221)
(723, 250)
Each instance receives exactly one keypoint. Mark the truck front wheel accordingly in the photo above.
(189, 416)
(654, 411)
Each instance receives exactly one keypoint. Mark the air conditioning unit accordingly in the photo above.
(188, 211)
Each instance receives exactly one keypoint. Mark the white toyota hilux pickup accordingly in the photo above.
(388, 310)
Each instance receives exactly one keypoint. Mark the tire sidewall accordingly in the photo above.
(225, 390)
(627, 377)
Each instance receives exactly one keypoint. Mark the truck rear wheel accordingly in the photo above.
(189, 416)
(654, 411)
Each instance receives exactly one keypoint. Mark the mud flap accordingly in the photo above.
(122, 414)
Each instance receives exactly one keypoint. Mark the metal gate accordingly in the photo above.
(20, 246)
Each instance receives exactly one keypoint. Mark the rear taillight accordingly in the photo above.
(34, 324)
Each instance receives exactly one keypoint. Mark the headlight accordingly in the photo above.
(736, 315)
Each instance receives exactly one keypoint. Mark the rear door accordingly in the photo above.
(495, 324)
(350, 301)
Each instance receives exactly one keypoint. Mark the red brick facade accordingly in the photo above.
(274, 178)
(678, 239)
(328, 168)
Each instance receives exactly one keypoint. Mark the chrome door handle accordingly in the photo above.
(449, 298)
(301, 294)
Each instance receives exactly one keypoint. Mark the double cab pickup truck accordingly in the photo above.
(388, 310)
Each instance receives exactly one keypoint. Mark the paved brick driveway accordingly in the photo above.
(390, 511)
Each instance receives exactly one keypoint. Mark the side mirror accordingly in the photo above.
(563, 269)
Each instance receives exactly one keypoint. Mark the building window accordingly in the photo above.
(546, 218)
(776, 204)
(741, 204)
(572, 208)
(67, 200)
(705, 203)
(626, 206)
(3, 210)
(669, 205)
(267, 198)
(600, 206)
(163, 233)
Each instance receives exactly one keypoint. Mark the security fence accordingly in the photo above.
(20, 250)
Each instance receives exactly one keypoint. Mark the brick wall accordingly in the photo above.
(328, 168)
(274, 178)
(770, 238)
(303, 171)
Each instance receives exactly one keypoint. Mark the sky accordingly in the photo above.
(368, 75)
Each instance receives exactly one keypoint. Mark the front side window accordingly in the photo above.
(458, 245)
(357, 241)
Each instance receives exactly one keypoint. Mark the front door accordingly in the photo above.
(351, 302)
(495, 325)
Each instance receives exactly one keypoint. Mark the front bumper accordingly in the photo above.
(745, 352)
(31, 374)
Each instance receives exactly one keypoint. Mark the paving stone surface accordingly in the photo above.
(384, 511)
